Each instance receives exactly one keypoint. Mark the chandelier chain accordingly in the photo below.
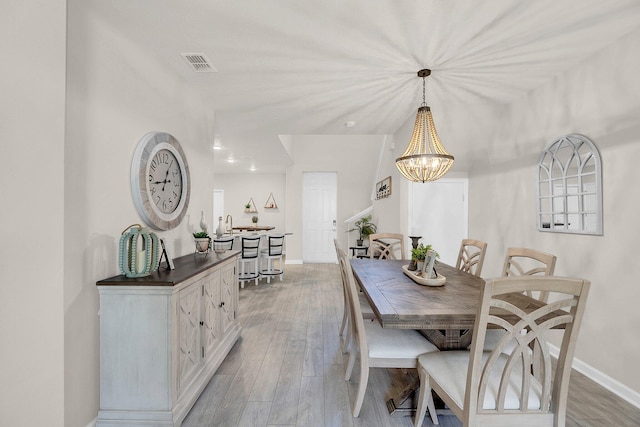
(424, 91)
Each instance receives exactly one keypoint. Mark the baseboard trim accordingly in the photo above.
(614, 386)
(93, 422)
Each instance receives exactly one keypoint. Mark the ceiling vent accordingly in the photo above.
(199, 62)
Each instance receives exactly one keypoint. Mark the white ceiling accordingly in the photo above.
(302, 67)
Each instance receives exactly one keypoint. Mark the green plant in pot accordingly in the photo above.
(254, 220)
(420, 253)
(203, 241)
(365, 227)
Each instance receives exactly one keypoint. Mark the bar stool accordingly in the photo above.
(225, 243)
(270, 254)
(250, 251)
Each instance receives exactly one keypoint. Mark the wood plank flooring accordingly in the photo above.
(287, 368)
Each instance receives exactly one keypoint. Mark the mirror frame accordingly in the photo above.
(569, 187)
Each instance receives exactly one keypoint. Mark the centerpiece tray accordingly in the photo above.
(416, 276)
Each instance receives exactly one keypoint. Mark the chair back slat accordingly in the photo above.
(529, 262)
(223, 243)
(250, 246)
(275, 242)
(386, 246)
(516, 376)
(471, 256)
(355, 312)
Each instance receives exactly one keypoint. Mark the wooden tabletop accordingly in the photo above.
(401, 303)
(445, 314)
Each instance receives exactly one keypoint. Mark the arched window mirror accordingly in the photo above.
(570, 187)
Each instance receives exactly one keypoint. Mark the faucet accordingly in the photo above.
(229, 223)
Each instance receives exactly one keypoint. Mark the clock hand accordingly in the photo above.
(164, 183)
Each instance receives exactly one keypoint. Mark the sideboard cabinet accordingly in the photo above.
(162, 337)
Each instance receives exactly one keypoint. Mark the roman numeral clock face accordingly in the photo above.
(160, 181)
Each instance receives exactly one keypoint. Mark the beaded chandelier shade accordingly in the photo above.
(425, 158)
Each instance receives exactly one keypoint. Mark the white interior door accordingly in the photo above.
(318, 217)
(438, 212)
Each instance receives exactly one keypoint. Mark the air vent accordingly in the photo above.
(199, 62)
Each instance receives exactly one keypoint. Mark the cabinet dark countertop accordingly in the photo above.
(186, 267)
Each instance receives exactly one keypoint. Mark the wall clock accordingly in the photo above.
(160, 181)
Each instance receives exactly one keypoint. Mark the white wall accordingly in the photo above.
(115, 95)
(32, 41)
(388, 211)
(353, 157)
(600, 99)
(239, 188)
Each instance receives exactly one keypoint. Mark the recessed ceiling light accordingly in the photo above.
(350, 124)
(217, 147)
(231, 160)
(252, 168)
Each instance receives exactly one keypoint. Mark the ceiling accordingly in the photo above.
(302, 67)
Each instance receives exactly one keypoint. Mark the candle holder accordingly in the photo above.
(138, 251)
(414, 244)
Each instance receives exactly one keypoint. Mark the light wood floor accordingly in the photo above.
(287, 368)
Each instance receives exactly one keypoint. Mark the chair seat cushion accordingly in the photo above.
(395, 343)
(449, 370)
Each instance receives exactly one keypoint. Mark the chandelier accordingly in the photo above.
(425, 158)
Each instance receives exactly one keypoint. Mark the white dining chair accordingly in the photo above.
(523, 262)
(378, 347)
(471, 256)
(367, 312)
(510, 385)
(386, 246)
(529, 262)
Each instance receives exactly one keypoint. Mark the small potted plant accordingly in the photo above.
(365, 227)
(254, 220)
(203, 241)
(420, 253)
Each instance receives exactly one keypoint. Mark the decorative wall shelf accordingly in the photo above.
(252, 207)
(271, 202)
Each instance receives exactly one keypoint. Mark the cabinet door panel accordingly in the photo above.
(188, 335)
(211, 333)
(228, 290)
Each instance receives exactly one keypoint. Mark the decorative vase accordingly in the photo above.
(138, 251)
(202, 244)
(220, 228)
(203, 222)
(420, 265)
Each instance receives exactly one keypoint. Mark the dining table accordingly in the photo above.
(443, 314)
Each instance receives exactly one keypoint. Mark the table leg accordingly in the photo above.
(450, 339)
(404, 404)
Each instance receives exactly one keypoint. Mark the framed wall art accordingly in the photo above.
(383, 188)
